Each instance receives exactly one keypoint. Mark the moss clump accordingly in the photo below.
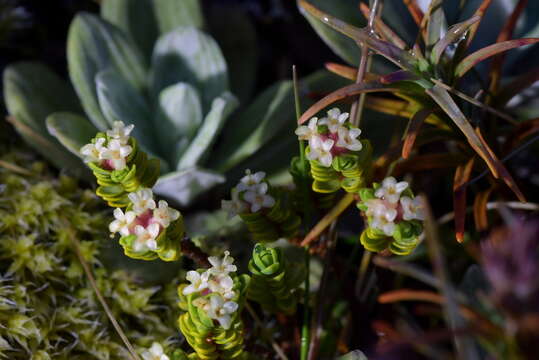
(48, 309)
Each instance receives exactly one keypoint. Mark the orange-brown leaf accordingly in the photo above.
(462, 175)
(413, 129)
(415, 10)
(381, 28)
(480, 209)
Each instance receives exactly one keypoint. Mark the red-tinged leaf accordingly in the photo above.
(343, 93)
(462, 175)
(436, 23)
(522, 131)
(382, 29)
(415, 11)
(505, 34)
(520, 83)
(413, 129)
(502, 171)
(349, 72)
(399, 57)
(454, 34)
(480, 12)
(476, 57)
(480, 209)
(427, 162)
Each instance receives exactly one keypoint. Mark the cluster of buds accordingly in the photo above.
(394, 217)
(148, 229)
(118, 164)
(212, 303)
(266, 211)
(337, 157)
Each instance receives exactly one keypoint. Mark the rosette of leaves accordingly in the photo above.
(405, 236)
(444, 88)
(274, 282)
(48, 310)
(153, 64)
(208, 339)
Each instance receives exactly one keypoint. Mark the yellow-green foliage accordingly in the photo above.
(274, 283)
(206, 336)
(114, 185)
(47, 308)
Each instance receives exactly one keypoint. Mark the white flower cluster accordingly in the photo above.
(113, 155)
(339, 139)
(389, 207)
(145, 219)
(156, 352)
(218, 284)
(253, 193)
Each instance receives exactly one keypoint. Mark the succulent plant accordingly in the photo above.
(151, 64)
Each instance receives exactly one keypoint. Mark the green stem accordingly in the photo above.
(305, 331)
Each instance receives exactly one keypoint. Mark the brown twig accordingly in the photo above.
(193, 252)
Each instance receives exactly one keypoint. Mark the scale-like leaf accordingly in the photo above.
(183, 186)
(119, 101)
(136, 18)
(179, 115)
(94, 45)
(189, 55)
(32, 92)
(476, 57)
(174, 13)
(72, 130)
(200, 146)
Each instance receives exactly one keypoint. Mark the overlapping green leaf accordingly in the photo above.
(173, 13)
(94, 45)
(213, 122)
(72, 130)
(189, 55)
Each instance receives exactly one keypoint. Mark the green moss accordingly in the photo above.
(47, 308)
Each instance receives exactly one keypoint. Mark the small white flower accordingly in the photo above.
(349, 139)
(146, 237)
(222, 285)
(250, 181)
(116, 153)
(222, 267)
(235, 206)
(120, 132)
(384, 224)
(202, 303)
(142, 200)
(308, 132)
(93, 152)
(122, 221)
(198, 281)
(155, 353)
(334, 120)
(164, 214)
(321, 150)
(258, 198)
(391, 190)
(221, 310)
(380, 208)
(412, 209)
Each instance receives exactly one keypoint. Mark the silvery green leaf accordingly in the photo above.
(208, 132)
(32, 92)
(178, 117)
(94, 45)
(189, 55)
(136, 18)
(119, 101)
(235, 33)
(341, 45)
(72, 130)
(183, 186)
(249, 131)
(353, 355)
(173, 13)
